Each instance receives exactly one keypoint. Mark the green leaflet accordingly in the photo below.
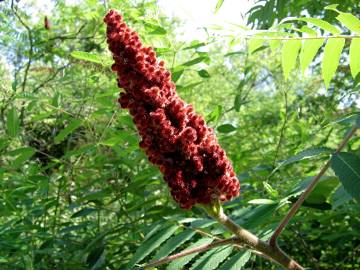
(173, 243)
(215, 115)
(354, 56)
(74, 124)
(274, 44)
(151, 244)
(254, 44)
(347, 167)
(289, 55)
(308, 51)
(226, 128)
(23, 154)
(321, 24)
(331, 57)
(89, 57)
(212, 258)
(12, 123)
(203, 73)
(347, 19)
(218, 5)
(179, 263)
(237, 261)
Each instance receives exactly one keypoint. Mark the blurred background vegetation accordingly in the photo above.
(78, 193)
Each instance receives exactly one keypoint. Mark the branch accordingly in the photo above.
(250, 240)
(191, 251)
(308, 190)
(49, 79)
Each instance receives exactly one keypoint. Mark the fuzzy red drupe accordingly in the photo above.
(174, 137)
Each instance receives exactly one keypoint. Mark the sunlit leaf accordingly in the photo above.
(254, 44)
(261, 201)
(308, 51)
(354, 56)
(215, 115)
(347, 19)
(274, 44)
(89, 57)
(289, 55)
(331, 57)
(154, 29)
(194, 61)
(218, 5)
(321, 24)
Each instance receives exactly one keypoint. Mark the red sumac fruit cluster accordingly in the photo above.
(174, 137)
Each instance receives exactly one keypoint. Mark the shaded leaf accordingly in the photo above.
(305, 154)
(23, 154)
(237, 261)
(331, 57)
(212, 258)
(179, 263)
(74, 124)
(203, 73)
(149, 245)
(226, 128)
(173, 243)
(340, 197)
(83, 212)
(12, 123)
(175, 75)
(95, 259)
(347, 167)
